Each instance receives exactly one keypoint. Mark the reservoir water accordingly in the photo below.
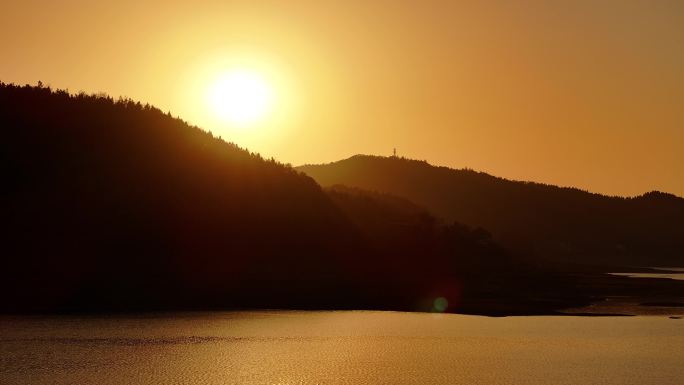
(354, 348)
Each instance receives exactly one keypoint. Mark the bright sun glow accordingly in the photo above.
(241, 97)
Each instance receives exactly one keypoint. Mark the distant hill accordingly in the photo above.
(114, 205)
(554, 223)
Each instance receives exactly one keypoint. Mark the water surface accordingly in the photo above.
(356, 348)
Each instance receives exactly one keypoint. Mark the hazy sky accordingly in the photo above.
(576, 93)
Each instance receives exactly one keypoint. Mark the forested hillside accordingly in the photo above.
(114, 203)
(553, 223)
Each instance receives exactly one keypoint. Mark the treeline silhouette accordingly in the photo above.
(114, 205)
(549, 222)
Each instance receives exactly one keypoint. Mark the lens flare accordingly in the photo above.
(440, 304)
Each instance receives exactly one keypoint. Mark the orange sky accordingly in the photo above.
(582, 93)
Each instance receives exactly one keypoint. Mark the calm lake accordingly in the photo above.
(355, 348)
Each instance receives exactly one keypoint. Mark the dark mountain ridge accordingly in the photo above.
(555, 223)
(114, 205)
(110, 204)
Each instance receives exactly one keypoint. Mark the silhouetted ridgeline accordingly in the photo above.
(560, 224)
(115, 205)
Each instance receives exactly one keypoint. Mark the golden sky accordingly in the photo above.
(575, 93)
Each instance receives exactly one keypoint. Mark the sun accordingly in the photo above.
(241, 97)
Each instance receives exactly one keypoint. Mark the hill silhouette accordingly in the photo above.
(553, 223)
(114, 205)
